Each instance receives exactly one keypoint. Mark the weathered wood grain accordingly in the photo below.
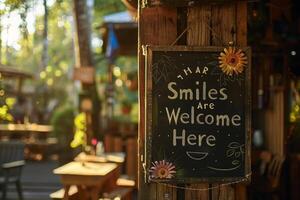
(157, 26)
(222, 192)
(198, 22)
(229, 23)
(241, 23)
(223, 23)
(166, 192)
(197, 194)
(199, 34)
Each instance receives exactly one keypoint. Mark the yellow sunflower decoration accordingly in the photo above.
(232, 60)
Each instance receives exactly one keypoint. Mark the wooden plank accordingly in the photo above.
(198, 34)
(241, 40)
(108, 143)
(275, 131)
(222, 18)
(229, 23)
(131, 152)
(166, 192)
(191, 194)
(156, 26)
(223, 23)
(159, 27)
(198, 23)
(241, 23)
(241, 191)
(223, 192)
(118, 144)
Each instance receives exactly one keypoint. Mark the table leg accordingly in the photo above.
(83, 193)
(66, 194)
(95, 193)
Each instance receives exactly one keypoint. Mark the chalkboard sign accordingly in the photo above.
(198, 114)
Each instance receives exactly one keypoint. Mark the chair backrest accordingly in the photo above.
(11, 151)
(274, 170)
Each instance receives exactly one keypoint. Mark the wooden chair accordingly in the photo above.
(11, 163)
(59, 194)
(266, 183)
(274, 171)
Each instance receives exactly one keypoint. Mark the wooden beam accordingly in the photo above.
(199, 34)
(241, 23)
(157, 26)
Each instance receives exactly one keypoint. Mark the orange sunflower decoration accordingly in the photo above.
(232, 61)
(162, 169)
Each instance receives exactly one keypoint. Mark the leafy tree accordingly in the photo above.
(104, 7)
(53, 82)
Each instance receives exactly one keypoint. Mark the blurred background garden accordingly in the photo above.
(68, 82)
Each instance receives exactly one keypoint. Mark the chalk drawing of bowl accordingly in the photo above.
(196, 155)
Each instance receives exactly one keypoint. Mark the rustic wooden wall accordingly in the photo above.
(206, 25)
(276, 115)
(274, 123)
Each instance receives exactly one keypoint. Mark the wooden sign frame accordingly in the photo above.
(246, 152)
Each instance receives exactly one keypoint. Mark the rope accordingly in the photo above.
(208, 26)
(202, 189)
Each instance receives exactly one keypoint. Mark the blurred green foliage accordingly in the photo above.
(55, 81)
(62, 122)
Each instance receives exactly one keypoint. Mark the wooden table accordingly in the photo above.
(90, 178)
(26, 127)
(112, 157)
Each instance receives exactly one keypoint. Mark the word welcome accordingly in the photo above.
(176, 116)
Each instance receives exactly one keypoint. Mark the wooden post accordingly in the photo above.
(206, 25)
(156, 26)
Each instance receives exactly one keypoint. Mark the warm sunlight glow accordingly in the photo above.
(11, 21)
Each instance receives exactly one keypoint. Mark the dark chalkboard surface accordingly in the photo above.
(198, 115)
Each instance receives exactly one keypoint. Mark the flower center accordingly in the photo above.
(232, 60)
(162, 172)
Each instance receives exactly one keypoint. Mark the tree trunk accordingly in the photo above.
(45, 57)
(83, 34)
(7, 54)
(85, 59)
